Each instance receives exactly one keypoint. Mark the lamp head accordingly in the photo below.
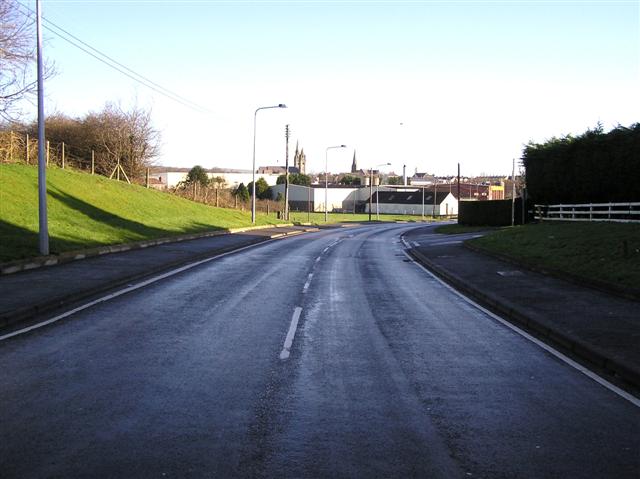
(282, 105)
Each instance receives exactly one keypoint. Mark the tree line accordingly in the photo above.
(594, 167)
(113, 136)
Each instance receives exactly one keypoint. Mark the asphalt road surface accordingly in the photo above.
(323, 355)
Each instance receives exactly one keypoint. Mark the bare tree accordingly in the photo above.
(123, 137)
(17, 58)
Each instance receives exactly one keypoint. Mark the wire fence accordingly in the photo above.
(22, 148)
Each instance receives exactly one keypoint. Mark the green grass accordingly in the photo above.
(318, 218)
(86, 211)
(456, 229)
(590, 250)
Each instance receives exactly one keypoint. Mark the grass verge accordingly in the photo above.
(603, 252)
(456, 229)
(86, 211)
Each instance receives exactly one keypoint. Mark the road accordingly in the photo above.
(323, 355)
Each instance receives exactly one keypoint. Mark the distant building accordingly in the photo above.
(300, 161)
(164, 177)
(423, 179)
(413, 203)
(276, 170)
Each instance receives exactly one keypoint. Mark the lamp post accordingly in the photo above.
(371, 190)
(326, 180)
(253, 187)
(43, 224)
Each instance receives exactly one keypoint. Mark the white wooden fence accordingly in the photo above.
(618, 212)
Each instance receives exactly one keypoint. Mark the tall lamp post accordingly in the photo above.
(371, 190)
(43, 224)
(326, 180)
(253, 187)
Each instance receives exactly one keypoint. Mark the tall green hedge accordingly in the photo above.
(489, 213)
(595, 167)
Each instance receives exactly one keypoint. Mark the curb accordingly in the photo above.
(23, 314)
(559, 339)
(626, 293)
(66, 257)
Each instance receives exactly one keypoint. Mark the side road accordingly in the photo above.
(36, 291)
(585, 323)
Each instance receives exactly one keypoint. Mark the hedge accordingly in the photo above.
(595, 167)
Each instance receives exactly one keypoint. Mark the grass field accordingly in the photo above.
(86, 211)
(608, 252)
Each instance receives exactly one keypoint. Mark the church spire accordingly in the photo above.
(354, 164)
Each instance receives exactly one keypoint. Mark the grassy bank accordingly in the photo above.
(594, 251)
(86, 211)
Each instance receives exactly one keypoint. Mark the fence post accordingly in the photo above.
(27, 148)
(93, 162)
(216, 197)
(11, 146)
(63, 155)
(590, 211)
(609, 213)
(147, 179)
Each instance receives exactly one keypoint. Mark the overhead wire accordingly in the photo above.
(114, 64)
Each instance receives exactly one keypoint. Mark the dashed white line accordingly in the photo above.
(307, 284)
(286, 349)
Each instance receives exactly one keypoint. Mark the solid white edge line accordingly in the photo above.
(129, 289)
(286, 349)
(587, 372)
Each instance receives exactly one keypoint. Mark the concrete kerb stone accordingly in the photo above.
(42, 261)
(558, 339)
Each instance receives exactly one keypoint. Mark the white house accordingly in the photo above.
(412, 203)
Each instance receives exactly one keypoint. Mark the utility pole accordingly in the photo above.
(513, 193)
(43, 232)
(435, 194)
(286, 174)
(459, 188)
(370, 192)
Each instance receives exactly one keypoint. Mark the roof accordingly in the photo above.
(408, 197)
(277, 170)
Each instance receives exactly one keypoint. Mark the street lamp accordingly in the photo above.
(326, 180)
(371, 190)
(253, 188)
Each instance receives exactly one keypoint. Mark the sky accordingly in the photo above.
(418, 83)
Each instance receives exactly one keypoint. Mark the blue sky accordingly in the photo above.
(471, 82)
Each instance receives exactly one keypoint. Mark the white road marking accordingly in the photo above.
(416, 244)
(318, 259)
(128, 289)
(286, 349)
(587, 372)
(307, 284)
